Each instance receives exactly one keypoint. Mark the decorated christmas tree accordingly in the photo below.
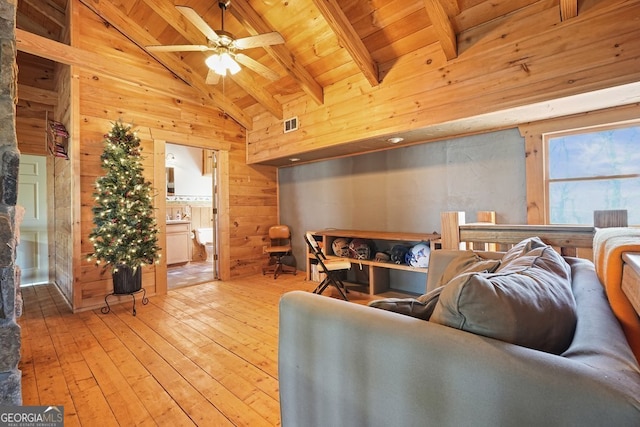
(125, 233)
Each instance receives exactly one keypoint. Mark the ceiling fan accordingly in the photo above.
(224, 46)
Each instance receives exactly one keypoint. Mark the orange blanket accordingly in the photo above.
(608, 246)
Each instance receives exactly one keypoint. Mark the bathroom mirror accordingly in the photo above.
(171, 186)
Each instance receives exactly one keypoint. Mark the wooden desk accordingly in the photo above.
(631, 278)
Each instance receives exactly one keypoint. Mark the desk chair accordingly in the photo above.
(330, 268)
(280, 246)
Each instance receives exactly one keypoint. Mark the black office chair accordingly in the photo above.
(330, 268)
(280, 246)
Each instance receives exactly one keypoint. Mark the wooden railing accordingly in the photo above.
(568, 239)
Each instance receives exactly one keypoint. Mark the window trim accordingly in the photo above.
(535, 150)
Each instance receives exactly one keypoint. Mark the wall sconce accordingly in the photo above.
(170, 160)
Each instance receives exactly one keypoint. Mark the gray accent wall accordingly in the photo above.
(405, 189)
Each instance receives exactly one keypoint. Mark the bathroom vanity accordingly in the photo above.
(178, 248)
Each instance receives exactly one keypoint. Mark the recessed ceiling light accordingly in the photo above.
(395, 140)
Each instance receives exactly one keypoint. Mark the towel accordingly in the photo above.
(608, 246)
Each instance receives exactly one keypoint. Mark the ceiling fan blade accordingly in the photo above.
(199, 23)
(212, 77)
(178, 48)
(266, 39)
(257, 67)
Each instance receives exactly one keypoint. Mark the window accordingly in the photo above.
(581, 163)
(593, 169)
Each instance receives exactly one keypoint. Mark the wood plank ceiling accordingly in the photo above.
(326, 41)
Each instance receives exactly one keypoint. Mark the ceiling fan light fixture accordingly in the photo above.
(223, 46)
(221, 63)
(213, 62)
(229, 63)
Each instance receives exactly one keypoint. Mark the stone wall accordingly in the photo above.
(10, 215)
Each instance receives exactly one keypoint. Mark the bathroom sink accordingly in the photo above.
(178, 221)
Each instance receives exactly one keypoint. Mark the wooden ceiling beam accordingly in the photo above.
(176, 20)
(55, 51)
(442, 25)
(130, 29)
(258, 92)
(451, 7)
(349, 38)
(250, 19)
(568, 9)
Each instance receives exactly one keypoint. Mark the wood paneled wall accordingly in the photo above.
(60, 176)
(161, 111)
(522, 58)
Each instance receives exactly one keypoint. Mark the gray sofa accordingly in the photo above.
(344, 364)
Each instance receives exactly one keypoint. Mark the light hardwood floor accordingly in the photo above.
(201, 355)
(192, 273)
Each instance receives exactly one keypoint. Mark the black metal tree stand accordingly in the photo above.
(126, 282)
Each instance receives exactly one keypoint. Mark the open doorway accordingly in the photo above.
(32, 253)
(191, 225)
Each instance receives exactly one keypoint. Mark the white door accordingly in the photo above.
(32, 254)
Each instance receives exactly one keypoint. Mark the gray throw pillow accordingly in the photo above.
(527, 301)
(467, 262)
(420, 307)
(522, 248)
